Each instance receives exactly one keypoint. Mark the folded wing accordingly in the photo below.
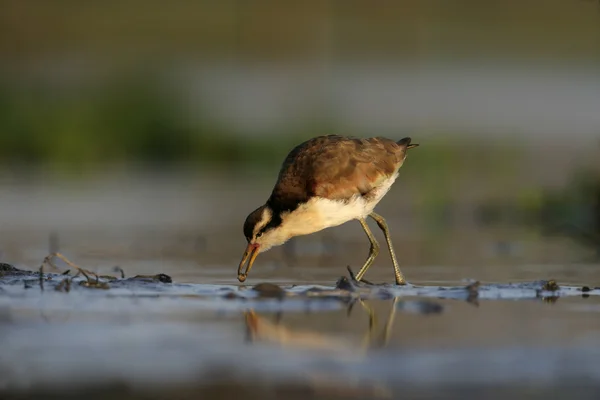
(334, 167)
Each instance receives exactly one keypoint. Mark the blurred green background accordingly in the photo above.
(504, 97)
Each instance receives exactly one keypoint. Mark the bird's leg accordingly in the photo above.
(373, 251)
(383, 225)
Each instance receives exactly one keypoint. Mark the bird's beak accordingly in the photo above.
(252, 252)
(412, 145)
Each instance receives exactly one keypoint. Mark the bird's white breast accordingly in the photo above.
(320, 213)
(338, 212)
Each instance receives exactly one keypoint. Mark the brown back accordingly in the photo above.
(334, 167)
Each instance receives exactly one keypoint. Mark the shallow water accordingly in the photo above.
(296, 335)
(144, 337)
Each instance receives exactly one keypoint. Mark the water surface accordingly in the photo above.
(205, 335)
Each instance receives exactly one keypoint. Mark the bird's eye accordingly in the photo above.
(259, 234)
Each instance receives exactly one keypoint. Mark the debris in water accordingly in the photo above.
(48, 261)
(345, 284)
(269, 290)
(4, 267)
(95, 285)
(550, 286)
(64, 285)
(163, 278)
(120, 270)
(473, 291)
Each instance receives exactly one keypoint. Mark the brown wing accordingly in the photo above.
(354, 166)
(334, 167)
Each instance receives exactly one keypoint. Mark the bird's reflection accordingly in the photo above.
(262, 329)
(328, 382)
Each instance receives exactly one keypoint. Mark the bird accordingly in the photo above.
(325, 182)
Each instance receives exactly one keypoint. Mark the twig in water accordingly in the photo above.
(86, 273)
(119, 269)
(353, 278)
(42, 277)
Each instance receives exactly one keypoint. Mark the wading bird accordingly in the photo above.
(325, 182)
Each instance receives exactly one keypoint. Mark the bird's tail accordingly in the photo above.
(407, 143)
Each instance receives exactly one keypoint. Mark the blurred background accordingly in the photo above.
(149, 130)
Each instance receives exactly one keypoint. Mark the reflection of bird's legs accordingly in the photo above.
(278, 317)
(387, 330)
(372, 324)
(389, 323)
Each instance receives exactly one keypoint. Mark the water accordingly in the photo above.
(370, 340)
(206, 335)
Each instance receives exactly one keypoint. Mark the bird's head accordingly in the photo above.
(263, 229)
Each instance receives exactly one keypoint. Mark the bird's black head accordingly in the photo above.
(253, 219)
(260, 221)
(262, 230)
